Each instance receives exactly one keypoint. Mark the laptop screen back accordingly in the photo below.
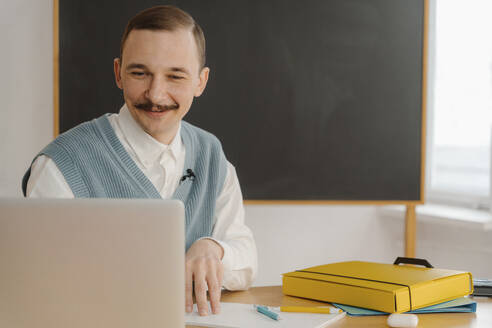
(91, 263)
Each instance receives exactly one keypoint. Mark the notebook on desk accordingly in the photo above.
(238, 315)
(459, 305)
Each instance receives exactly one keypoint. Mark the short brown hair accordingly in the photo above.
(167, 18)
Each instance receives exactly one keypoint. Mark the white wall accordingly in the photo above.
(294, 237)
(455, 247)
(26, 58)
(288, 236)
(291, 237)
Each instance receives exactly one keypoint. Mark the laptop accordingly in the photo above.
(91, 263)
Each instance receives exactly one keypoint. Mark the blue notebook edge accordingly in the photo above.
(459, 305)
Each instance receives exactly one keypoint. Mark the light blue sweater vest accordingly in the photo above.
(95, 165)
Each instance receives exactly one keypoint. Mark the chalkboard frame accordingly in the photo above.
(56, 120)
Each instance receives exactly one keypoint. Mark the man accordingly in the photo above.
(147, 151)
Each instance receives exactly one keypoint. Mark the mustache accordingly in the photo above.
(148, 106)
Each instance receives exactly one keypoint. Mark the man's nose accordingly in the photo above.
(157, 91)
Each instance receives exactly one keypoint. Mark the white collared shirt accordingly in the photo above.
(163, 165)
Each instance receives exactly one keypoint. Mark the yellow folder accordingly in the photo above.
(383, 287)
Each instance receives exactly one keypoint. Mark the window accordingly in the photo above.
(460, 102)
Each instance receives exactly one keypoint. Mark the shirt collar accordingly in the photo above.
(147, 149)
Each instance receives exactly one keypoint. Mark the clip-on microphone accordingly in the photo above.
(189, 174)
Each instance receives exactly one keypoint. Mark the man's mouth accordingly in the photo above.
(155, 110)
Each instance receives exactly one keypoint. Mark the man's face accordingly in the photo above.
(159, 74)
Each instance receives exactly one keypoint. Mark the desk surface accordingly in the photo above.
(273, 296)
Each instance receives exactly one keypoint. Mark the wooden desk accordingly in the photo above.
(273, 296)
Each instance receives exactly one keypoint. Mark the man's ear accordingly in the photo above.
(203, 81)
(117, 72)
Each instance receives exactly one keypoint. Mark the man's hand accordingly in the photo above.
(203, 266)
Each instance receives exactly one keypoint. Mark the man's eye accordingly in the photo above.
(138, 73)
(176, 77)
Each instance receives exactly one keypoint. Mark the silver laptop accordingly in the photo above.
(91, 263)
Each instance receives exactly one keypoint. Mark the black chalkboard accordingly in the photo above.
(312, 99)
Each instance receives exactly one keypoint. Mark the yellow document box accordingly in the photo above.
(383, 287)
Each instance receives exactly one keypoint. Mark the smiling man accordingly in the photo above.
(147, 151)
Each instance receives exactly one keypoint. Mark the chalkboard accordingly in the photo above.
(312, 99)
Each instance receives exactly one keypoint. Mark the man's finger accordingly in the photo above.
(188, 289)
(214, 293)
(201, 293)
(220, 274)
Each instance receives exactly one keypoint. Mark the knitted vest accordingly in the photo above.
(95, 165)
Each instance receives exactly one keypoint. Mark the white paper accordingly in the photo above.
(238, 315)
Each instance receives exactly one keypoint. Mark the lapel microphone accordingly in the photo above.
(189, 175)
